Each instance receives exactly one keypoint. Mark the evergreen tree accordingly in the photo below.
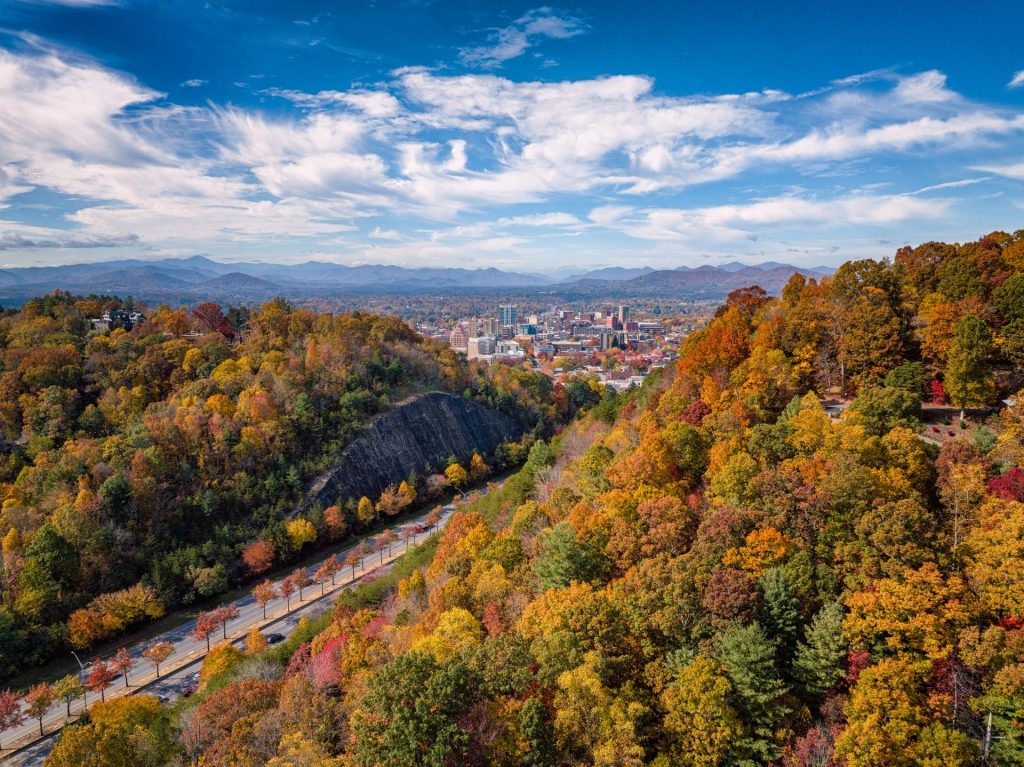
(780, 613)
(819, 659)
(749, 659)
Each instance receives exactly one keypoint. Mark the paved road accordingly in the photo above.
(189, 652)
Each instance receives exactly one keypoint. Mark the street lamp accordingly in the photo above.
(81, 666)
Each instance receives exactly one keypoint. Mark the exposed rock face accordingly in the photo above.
(418, 434)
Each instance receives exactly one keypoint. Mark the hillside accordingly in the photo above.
(717, 571)
(138, 468)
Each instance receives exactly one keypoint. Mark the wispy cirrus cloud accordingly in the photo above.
(1017, 80)
(517, 38)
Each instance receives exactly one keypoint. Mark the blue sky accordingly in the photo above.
(521, 136)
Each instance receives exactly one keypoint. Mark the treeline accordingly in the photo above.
(728, 575)
(137, 465)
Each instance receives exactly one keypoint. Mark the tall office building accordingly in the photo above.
(623, 314)
(507, 314)
(458, 338)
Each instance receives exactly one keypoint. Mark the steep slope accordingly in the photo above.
(416, 436)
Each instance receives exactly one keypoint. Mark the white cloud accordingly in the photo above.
(464, 152)
(1017, 80)
(194, 83)
(730, 223)
(1012, 170)
(514, 40)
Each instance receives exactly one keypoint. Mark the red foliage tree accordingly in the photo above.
(206, 624)
(122, 663)
(1008, 486)
(223, 614)
(100, 677)
(259, 556)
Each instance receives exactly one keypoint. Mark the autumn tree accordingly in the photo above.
(456, 476)
(11, 712)
(206, 624)
(69, 688)
(158, 652)
(287, 588)
(264, 593)
(700, 723)
(366, 514)
(255, 642)
(122, 663)
(38, 700)
(100, 677)
(258, 556)
(223, 614)
(300, 577)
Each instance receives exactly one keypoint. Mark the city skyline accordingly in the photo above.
(530, 138)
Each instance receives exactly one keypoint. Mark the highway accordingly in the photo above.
(177, 670)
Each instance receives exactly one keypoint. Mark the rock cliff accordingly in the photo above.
(418, 434)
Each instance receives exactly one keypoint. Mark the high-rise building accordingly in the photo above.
(488, 326)
(623, 314)
(507, 315)
(482, 346)
(458, 338)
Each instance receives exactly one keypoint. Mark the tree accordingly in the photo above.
(749, 659)
(38, 700)
(968, 374)
(366, 514)
(300, 577)
(411, 714)
(100, 677)
(888, 723)
(563, 559)
(223, 614)
(126, 732)
(536, 728)
(457, 476)
(321, 576)
(122, 663)
(69, 689)
(11, 713)
(353, 560)
(255, 642)
(264, 594)
(388, 538)
(287, 589)
(206, 624)
(818, 666)
(334, 520)
(259, 556)
(700, 723)
(300, 532)
(157, 653)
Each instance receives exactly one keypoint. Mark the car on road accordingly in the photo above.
(188, 691)
(194, 679)
(275, 638)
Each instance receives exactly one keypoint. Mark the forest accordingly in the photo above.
(150, 467)
(715, 569)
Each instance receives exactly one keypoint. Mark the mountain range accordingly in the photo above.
(197, 278)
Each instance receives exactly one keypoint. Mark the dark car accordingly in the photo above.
(275, 638)
(188, 691)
